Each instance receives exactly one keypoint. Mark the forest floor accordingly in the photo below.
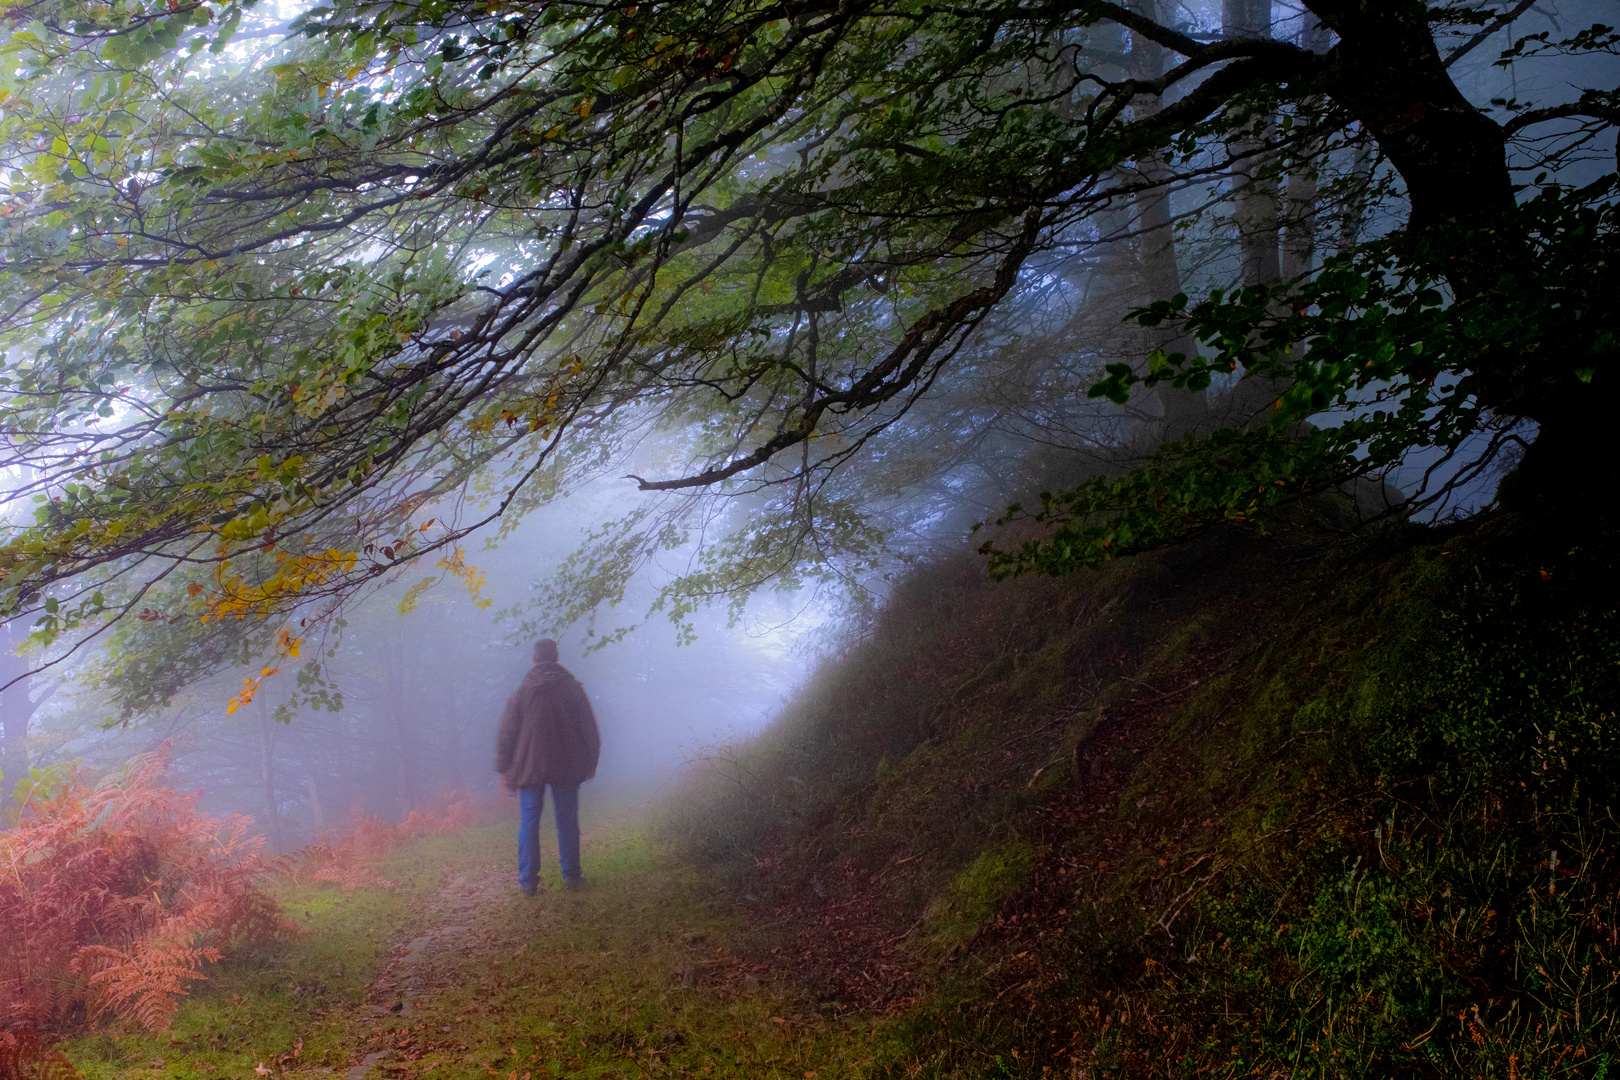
(452, 972)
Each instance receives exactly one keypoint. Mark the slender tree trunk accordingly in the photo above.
(14, 718)
(1184, 410)
(315, 812)
(396, 701)
(1254, 177)
(455, 765)
(267, 775)
(1116, 283)
(1256, 212)
(17, 709)
(1299, 224)
(1354, 210)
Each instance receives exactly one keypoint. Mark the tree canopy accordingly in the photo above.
(287, 307)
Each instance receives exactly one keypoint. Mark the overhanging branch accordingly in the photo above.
(898, 370)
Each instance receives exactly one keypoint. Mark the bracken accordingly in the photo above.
(113, 896)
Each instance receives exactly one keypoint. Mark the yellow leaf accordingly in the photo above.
(232, 705)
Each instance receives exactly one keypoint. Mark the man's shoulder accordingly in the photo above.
(545, 680)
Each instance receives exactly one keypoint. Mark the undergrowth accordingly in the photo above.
(1262, 806)
(117, 896)
(114, 895)
(645, 972)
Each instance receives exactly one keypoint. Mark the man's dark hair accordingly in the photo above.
(545, 651)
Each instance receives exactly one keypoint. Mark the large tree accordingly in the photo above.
(266, 300)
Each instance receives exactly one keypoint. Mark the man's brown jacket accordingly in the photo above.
(548, 732)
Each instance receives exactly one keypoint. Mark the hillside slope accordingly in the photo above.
(1273, 806)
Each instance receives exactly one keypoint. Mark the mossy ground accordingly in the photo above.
(1261, 806)
(1271, 806)
(645, 973)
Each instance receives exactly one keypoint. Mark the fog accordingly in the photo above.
(421, 694)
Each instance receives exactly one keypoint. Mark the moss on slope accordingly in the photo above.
(1257, 806)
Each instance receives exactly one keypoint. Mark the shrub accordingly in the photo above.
(113, 896)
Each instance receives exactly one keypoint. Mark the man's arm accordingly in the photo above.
(506, 737)
(589, 733)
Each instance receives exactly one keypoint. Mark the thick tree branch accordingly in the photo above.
(1559, 112)
(1140, 24)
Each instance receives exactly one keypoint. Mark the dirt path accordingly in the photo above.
(428, 961)
(647, 973)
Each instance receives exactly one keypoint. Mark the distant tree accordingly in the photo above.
(22, 697)
(266, 304)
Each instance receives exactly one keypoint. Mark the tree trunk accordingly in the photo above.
(1354, 210)
(1388, 72)
(17, 709)
(1299, 226)
(1254, 179)
(316, 814)
(1255, 212)
(267, 775)
(1453, 161)
(1185, 411)
(396, 698)
(453, 753)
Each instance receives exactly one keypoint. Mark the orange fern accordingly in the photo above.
(348, 862)
(26, 1056)
(114, 896)
(145, 982)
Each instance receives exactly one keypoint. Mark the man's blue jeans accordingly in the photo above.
(565, 804)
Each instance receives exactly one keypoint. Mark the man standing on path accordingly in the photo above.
(548, 736)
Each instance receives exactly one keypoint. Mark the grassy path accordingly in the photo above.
(453, 973)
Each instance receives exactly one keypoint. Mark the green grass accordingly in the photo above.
(1250, 807)
(645, 973)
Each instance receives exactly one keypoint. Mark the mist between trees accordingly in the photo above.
(724, 312)
(409, 706)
